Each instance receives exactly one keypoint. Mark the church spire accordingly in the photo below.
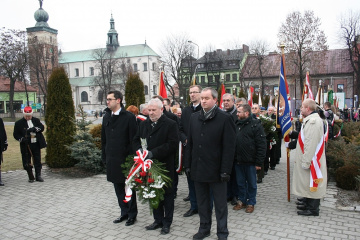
(112, 42)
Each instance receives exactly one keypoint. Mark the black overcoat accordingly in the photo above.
(211, 145)
(117, 133)
(3, 137)
(20, 128)
(162, 141)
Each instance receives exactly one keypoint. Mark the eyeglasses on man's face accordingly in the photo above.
(193, 93)
(110, 99)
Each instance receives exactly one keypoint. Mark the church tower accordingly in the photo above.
(43, 51)
(112, 39)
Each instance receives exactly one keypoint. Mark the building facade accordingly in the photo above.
(86, 70)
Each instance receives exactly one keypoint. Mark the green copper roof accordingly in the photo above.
(87, 81)
(138, 50)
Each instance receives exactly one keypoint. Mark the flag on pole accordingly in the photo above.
(331, 96)
(319, 96)
(162, 88)
(221, 97)
(260, 101)
(283, 118)
(250, 95)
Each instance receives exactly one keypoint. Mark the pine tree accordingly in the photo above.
(83, 149)
(255, 97)
(59, 118)
(242, 93)
(266, 101)
(134, 90)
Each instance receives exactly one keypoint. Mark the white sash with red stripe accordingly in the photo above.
(316, 176)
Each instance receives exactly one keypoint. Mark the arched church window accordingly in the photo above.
(84, 96)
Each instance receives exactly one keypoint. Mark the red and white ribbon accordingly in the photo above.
(140, 163)
(178, 170)
(316, 176)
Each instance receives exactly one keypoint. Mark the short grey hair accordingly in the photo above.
(241, 100)
(142, 106)
(214, 93)
(229, 95)
(156, 102)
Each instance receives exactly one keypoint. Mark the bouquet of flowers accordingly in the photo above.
(147, 177)
(269, 126)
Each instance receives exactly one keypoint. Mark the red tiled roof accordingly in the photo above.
(334, 62)
(19, 86)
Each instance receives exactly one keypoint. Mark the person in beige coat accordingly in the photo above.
(310, 157)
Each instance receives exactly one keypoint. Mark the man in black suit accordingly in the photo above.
(3, 145)
(161, 134)
(195, 106)
(118, 130)
(28, 131)
(209, 158)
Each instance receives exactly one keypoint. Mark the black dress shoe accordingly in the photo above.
(200, 235)
(130, 221)
(307, 213)
(301, 199)
(234, 201)
(259, 180)
(272, 168)
(165, 230)
(187, 199)
(154, 226)
(265, 173)
(190, 212)
(302, 207)
(300, 203)
(120, 219)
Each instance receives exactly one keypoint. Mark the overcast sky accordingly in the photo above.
(83, 24)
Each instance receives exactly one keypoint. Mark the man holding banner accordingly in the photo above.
(310, 175)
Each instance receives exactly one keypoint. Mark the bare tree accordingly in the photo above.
(109, 68)
(42, 60)
(13, 59)
(176, 53)
(259, 49)
(301, 35)
(349, 35)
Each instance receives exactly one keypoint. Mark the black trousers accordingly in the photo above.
(204, 206)
(26, 155)
(165, 212)
(129, 208)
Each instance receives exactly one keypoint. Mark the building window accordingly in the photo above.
(153, 66)
(135, 67)
(146, 90)
(227, 90)
(145, 67)
(84, 97)
(217, 78)
(91, 71)
(234, 77)
(227, 77)
(210, 79)
(76, 72)
(154, 90)
(202, 79)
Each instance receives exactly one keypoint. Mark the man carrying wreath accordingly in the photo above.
(161, 134)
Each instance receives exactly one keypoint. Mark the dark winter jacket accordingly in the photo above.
(233, 113)
(117, 133)
(211, 146)
(185, 120)
(162, 140)
(250, 142)
(20, 131)
(3, 137)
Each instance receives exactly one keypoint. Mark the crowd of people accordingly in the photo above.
(225, 153)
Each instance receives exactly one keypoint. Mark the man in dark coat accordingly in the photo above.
(209, 160)
(329, 118)
(161, 134)
(28, 131)
(117, 132)
(3, 145)
(232, 188)
(250, 155)
(195, 106)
